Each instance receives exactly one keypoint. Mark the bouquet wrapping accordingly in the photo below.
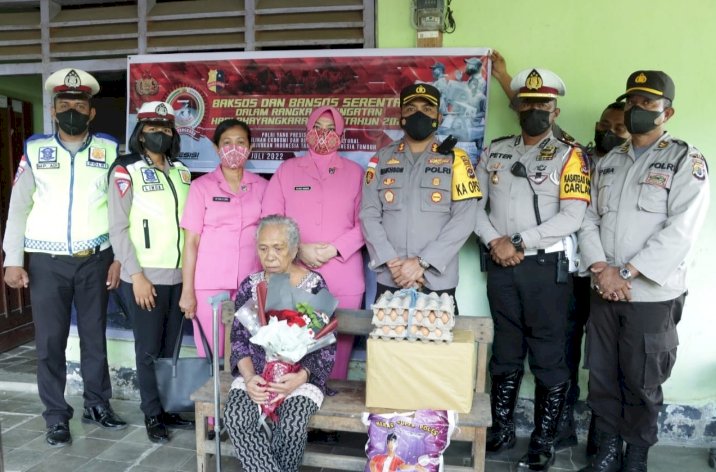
(288, 323)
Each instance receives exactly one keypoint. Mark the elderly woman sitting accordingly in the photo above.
(277, 241)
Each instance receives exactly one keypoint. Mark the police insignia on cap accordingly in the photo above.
(72, 79)
(640, 79)
(420, 89)
(533, 80)
(161, 110)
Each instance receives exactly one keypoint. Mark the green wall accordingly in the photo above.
(27, 88)
(594, 46)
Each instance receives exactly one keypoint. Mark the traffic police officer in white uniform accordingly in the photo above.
(148, 190)
(58, 214)
(419, 201)
(537, 189)
(650, 198)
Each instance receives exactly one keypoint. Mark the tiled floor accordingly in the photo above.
(94, 449)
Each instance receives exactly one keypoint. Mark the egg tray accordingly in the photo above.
(399, 317)
(422, 334)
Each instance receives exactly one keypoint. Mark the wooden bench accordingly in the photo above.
(343, 411)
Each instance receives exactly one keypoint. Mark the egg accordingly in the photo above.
(424, 331)
(405, 316)
(445, 318)
(386, 329)
(399, 329)
(413, 329)
(438, 332)
(432, 317)
(418, 316)
(380, 315)
(393, 315)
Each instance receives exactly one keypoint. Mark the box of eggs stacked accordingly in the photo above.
(407, 314)
(424, 375)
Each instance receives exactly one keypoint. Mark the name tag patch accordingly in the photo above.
(221, 199)
(302, 188)
(153, 187)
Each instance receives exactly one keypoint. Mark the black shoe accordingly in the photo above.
(566, 432)
(503, 399)
(712, 457)
(549, 402)
(58, 435)
(211, 435)
(635, 458)
(103, 416)
(609, 453)
(156, 430)
(172, 420)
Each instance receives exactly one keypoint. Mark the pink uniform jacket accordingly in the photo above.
(325, 204)
(227, 223)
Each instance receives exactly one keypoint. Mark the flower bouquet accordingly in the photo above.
(287, 323)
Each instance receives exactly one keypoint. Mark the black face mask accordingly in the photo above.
(605, 141)
(534, 122)
(419, 125)
(639, 120)
(157, 142)
(72, 122)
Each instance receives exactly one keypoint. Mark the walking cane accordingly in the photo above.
(216, 301)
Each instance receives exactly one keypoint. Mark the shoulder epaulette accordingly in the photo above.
(502, 138)
(35, 137)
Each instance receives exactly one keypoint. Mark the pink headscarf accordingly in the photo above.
(324, 161)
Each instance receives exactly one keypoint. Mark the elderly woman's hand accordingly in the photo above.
(287, 384)
(256, 388)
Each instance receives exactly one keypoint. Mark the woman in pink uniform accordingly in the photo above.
(322, 192)
(220, 218)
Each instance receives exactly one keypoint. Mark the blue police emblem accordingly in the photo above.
(149, 176)
(48, 154)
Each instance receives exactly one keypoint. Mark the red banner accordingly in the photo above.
(275, 92)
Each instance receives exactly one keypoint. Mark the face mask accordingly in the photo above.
(419, 125)
(605, 141)
(157, 141)
(534, 122)
(233, 156)
(640, 121)
(72, 122)
(323, 141)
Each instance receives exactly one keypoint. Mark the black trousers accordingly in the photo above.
(385, 288)
(576, 324)
(55, 282)
(529, 310)
(155, 332)
(631, 349)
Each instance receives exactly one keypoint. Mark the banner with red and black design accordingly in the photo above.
(274, 93)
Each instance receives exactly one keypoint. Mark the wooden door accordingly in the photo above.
(16, 326)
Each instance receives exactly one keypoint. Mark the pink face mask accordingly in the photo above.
(233, 156)
(323, 141)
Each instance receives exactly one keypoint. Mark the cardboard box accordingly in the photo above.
(407, 375)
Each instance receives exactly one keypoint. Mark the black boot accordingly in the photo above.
(503, 399)
(712, 457)
(635, 458)
(592, 438)
(549, 402)
(566, 433)
(609, 453)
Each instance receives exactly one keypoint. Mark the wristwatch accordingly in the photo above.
(625, 273)
(516, 241)
(423, 263)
